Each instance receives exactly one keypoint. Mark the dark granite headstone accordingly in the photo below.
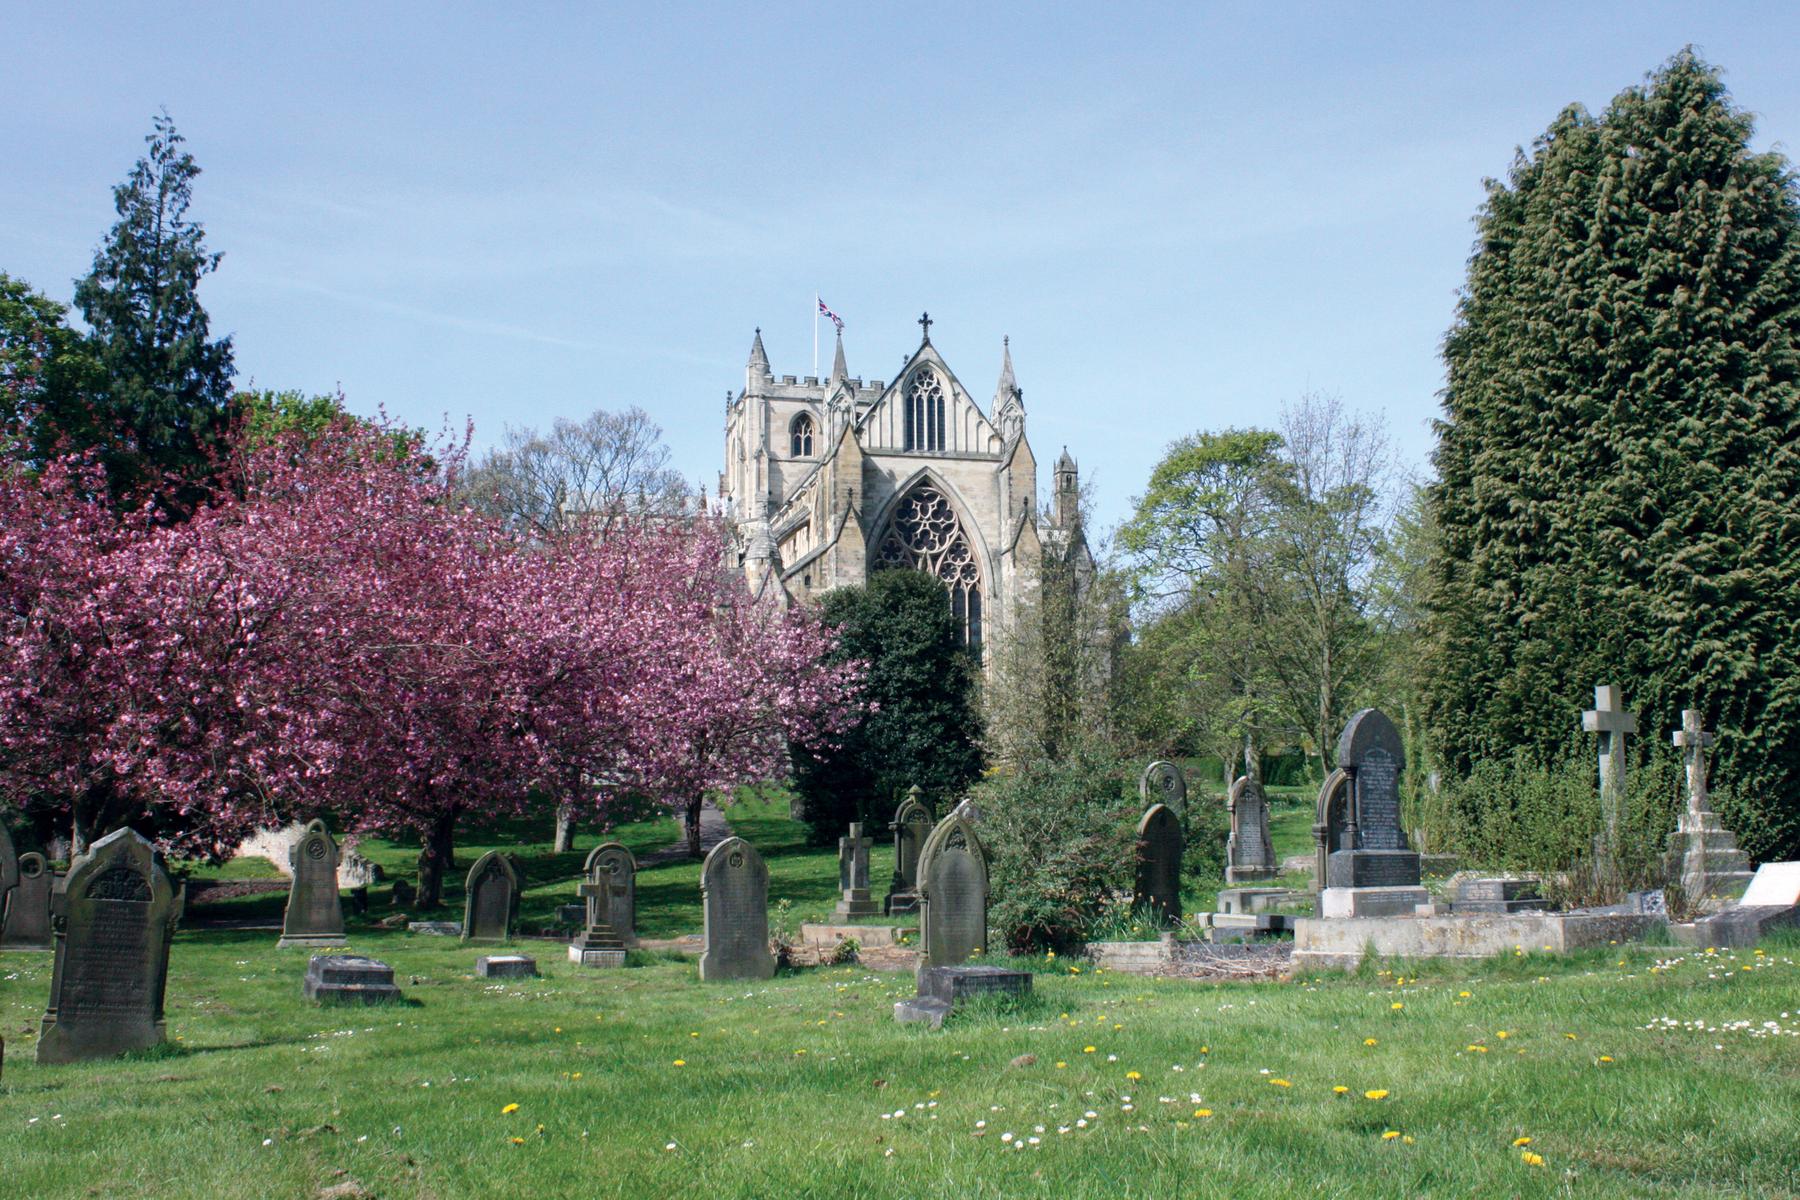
(1371, 753)
(1157, 886)
(491, 900)
(1163, 783)
(734, 892)
(348, 979)
(315, 916)
(953, 894)
(112, 917)
(912, 825)
(609, 893)
(506, 966)
(1249, 854)
(28, 912)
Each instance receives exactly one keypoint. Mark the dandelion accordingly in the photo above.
(1340, 1090)
(1502, 1034)
(1203, 1112)
(518, 1141)
(1376, 1094)
(1133, 1075)
(1606, 1058)
(1061, 1065)
(576, 1075)
(1570, 1036)
(1368, 1041)
(1522, 1141)
(1281, 1083)
(1087, 1049)
(1396, 1006)
(1477, 1049)
(681, 1062)
(1531, 1160)
(1407, 1140)
(1464, 995)
(511, 1108)
(1390, 1135)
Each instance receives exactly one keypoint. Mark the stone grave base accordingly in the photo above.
(1739, 926)
(350, 979)
(1372, 869)
(1338, 903)
(900, 904)
(590, 956)
(1341, 943)
(869, 937)
(857, 904)
(506, 966)
(312, 941)
(1255, 899)
(1236, 875)
(435, 928)
(944, 989)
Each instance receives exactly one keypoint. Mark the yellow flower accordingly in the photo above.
(576, 1075)
(1464, 995)
(1502, 1034)
(1396, 1006)
(1087, 1049)
(1061, 1065)
(1049, 954)
(1133, 1075)
(1280, 1083)
(681, 1062)
(511, 1108)
(1522, 1141)
(518, 1141)
(1368, 1041)
(1203, 1112)
(1376, 1094)
(1531, 1160)
(1390, 1135)
(1606, 1058)
(1477, 1049)
(1340, 1089)
(799, 1052)
(1570, 1036)
(1204, 1049)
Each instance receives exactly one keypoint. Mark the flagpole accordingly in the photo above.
(816, 302)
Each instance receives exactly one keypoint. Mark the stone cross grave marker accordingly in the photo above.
(853, 875)
(1157, 884)
(315, 915)
(1372, 755)
(609, 888)
(491, 899)
(1249, 854)
(912, 825)
(953, 893)
(734, 892)
(112, 917)
(1613, 724)
(1705, 853)
(28, 914)
(1163, 783)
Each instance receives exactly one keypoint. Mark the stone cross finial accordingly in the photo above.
(1694, 742)
(925, 324)
(1609, 719)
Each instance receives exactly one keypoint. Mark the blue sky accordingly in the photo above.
(1183, 215)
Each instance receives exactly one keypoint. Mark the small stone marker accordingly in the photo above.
(506, 966)
(953, 893)
(1163, 783)
(734, 892)
(1157, 886)
(944, 989)
(28, 912)
(1609, 719)
(112, 917)
(491, 899)
(1498, 896)
(1249, 854)
(912, 825)
(609, 893)
(1710, 863)
(853, 875)
(315, 916)
(435, 928)
(348, 979)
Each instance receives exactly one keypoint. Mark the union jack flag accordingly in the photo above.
(835, 319)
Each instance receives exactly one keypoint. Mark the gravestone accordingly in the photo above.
(28, 913)
(912, 825)
(953, 893)
(348, 979)
(1498, 896)
(609, 893)
(1249, 854)
(1163, 783)
(1375, 871)
(491, 900)
(112, 917)
(853, 875)
(1331, 823)
(9, 869)
(943, 989)
(1613, 724)
(734, 892)
(506, 966)
(1703, 854)
(1157, 883)
(315, 916)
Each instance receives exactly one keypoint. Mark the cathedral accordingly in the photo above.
(826, 481)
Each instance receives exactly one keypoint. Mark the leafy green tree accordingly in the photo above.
(926, 726)
(47, 375)
(1619, 457)
(165, 404)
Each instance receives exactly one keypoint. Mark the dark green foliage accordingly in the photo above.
(926, 729)
(165, 400)
(46, 371)
(1619, 483)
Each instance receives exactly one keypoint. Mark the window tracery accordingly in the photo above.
(924, 535)
(800, 436)
(925, 412)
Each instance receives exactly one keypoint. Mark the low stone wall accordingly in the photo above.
(869, 937)
(1333, 944)
(1168, 955)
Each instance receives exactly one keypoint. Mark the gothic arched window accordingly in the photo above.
(924, 535)
(925, 412)
(800, 435)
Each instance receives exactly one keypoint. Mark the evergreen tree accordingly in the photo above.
(1619, 457)
(926, 726)
(46, 373)
(167, 391)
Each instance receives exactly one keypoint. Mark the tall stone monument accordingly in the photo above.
(112, 917)
(1156, 887)
(912, 825)
(1163, 783)
(315, 915)
(28, 914)
(1701, 850)
(853, 875)
(953, 892)
(1374, 873)
(734, 894)
(1249, 854)
(491, 899)
(609, 888)
(1613, 724)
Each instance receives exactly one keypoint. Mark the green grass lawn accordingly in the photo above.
(643, 1082)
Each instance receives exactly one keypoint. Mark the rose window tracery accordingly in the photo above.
(924, 535)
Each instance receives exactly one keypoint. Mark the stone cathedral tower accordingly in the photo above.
(826, 481)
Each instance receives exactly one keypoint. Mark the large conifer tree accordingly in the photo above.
(1619, 460)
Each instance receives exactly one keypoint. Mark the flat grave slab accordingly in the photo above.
(1339, 903)
(435, 928)
(589, 956)
(1341, 943)
(945, 989)
(506, 966)
(349, 979)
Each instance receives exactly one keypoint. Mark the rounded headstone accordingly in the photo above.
(1163, 783)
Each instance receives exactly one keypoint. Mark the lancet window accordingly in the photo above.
(925, 412)
(800, 436)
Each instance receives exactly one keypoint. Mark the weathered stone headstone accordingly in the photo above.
(1498, 896)
(28, 913)
(953, 894)
(1702, 851)
(9, 869)
(1157, 884)
(348, 979)
(1163, 783)
(1331, 823)
(315, 915)
(853, 875)
(1249, 854)
(734, 892)
(506, 966)
(112, 917)
(491, 900)
(912, 825)
(943, 989)
(1375, 871)
(609, 892)
(1609, 719)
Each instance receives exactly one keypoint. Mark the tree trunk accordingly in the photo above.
(437, 856)
(565, 828)
(693, 827)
